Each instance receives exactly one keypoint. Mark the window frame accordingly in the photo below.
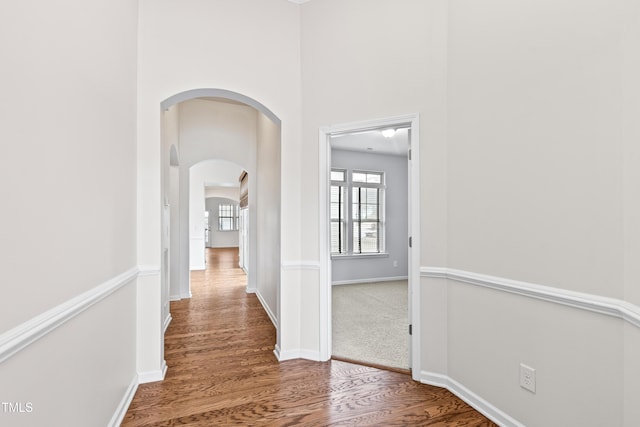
(349, 249)
(232, 214)
(342, 218)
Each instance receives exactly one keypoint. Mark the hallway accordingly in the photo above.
(222, 371)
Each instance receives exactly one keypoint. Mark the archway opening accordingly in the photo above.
(220, 130)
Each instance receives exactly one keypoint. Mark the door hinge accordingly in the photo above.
(410, 329)
(409, 153)
(410, 242)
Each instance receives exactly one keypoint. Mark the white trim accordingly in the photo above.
(266, 308)
(219, 93)
(180, 297)
(594, 303)
(276, 351)
(325, 315)
(167, 321)
(299, 1)
(153, 376)
(478, 403)
(32, 330)
(324, 166)
(123, 406)
(198, 267)
(296, 354)
(148, 270)
(300, 265)
(372, 280)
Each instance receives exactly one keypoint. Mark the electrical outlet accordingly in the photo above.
(395, 263)
(527, 378)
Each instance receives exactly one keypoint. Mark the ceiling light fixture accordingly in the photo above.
(388, 133)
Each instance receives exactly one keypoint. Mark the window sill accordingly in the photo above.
(360, 256)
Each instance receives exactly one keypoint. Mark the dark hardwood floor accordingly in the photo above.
(222, 371)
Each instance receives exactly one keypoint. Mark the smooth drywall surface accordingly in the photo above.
(170, 202)
(631, 375)
(232, 193)
(394, 263)
(251, 47)
(268, 199)
(217, 238)
(357, 66)
(68, 122)
(68, 186)
(576, 355)
(540, 190)
(535, 141)
(631, 151)
(77, 374)
(196, 218)
(211, 132)
(171, 180)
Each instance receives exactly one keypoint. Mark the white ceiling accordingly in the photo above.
(372, 141)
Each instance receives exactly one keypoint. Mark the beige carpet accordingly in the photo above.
(370, 323)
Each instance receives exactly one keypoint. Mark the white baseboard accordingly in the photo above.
(181, 296)
(153, 376)
(296, 354)
(266, 308)
(197, 267)
(276, 351)
(472, 399)
(371, 280)
(123, 406)
(166, 322)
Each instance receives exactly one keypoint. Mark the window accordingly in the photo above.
(365, 216)
(227, 217)
(338, 224)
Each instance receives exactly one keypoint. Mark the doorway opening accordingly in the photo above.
(221, 136)
(369, 188)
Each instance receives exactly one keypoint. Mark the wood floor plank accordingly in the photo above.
(222, 372)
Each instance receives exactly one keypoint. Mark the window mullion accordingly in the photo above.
(359, 220)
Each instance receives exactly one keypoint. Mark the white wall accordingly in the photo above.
(267, 197)
(171, 193)
(232, 193)
(528, 149)
(220, 239)
(251, 47)
(539, 165)
(212, 130)
(360, 68)
(525, 143)
(68, 120)
(536, 145)
(353, 269)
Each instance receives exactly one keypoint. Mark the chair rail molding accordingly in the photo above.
(23, 335)
(590, 302)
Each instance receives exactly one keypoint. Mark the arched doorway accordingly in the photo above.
(223, 126)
